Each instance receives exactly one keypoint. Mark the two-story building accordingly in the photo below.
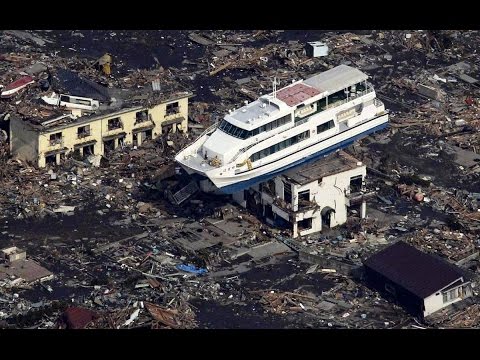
(48, 140)
(311, 197)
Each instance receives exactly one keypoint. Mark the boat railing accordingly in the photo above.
(243, 150)
(377, 102)
(208, 130)
(368, 90)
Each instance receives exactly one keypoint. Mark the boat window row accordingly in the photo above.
(325, 126)
(280, 146)
(240, 133)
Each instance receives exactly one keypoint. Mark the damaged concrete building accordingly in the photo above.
(314, 196)
(85, 126)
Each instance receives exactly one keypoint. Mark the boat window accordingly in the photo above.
(240, 133)
(325, 126)
(280, 146)
(233, 130)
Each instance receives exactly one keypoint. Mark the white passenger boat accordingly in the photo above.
(298, 123)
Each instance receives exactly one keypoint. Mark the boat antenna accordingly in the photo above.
(274, 93)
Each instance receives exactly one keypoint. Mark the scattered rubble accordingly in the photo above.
(146, 249)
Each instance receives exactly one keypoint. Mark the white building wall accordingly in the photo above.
(435, 302)
(331, 192)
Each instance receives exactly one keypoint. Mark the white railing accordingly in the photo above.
(209, 129)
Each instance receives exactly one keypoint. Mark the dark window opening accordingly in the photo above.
(83, 131)
(360, 87)
(51, 159)
(326, 126)
(147, 135)
(268, 212)
(337, 97)
(88, 150)
(304, 198)
(305, 224)
(239, 133)
(114, 123)
(322, 104)
(141, 116)
(173, 108)
(268, 187)
(108, 145)
(287, 193)
(326, 217)
(167, 129)
(56, 138)
(356, 184)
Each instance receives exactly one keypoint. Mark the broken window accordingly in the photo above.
(51, 159)
(304, 198)
(83, 131)
(56, 138)
(141, 116)
(322, 104)
(88, 150)
(269, 187)
(147, 135)
(173, 108)
(109, 145)
(114, 123)
(356, 183)
(305, 224)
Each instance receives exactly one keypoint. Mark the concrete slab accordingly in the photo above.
(466, 158)
(269, 249)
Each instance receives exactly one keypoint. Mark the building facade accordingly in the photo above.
(49, 140)
(309, 198)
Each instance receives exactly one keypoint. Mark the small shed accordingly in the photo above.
(316, 49)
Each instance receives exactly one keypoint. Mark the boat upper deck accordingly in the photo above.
(336, 79)
(267, 107)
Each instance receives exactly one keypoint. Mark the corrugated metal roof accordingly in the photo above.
(336, 79)
(420, 273)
